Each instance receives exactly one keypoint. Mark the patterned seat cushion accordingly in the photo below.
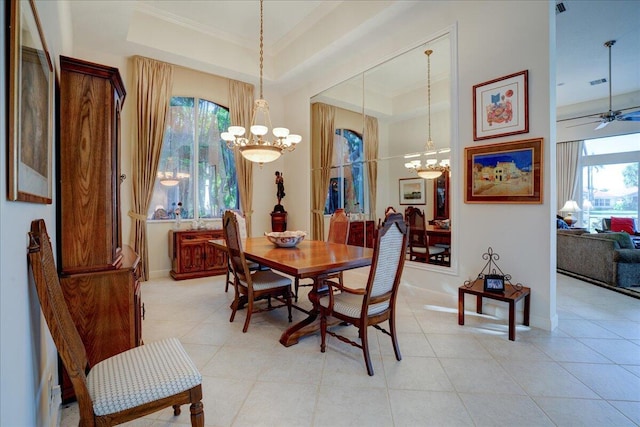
(141, 375)
(267, 279)
(351, 305)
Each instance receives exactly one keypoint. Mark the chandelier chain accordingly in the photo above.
(261, 47)
(428, 53)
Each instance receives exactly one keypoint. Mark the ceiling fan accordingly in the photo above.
(611, 115)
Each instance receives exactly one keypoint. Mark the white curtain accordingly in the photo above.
(567, 170)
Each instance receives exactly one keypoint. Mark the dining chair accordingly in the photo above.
(338, 233)
(377, 301)
(253, 266)
(262, 284)
(419, 248)
(126, 386)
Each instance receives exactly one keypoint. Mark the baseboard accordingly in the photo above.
(625, 291)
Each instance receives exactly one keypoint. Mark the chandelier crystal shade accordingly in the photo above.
(431, 169)
(258, 147)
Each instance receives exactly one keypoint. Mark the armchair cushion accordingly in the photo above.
(141, 375)
(623, 224)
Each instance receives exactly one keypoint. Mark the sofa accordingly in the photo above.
(608, 258)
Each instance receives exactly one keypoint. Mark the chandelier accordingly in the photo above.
(431, 169)
(258, 147)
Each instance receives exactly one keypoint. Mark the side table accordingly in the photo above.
(510, 295)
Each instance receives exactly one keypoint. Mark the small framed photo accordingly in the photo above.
(412, 191)
(493, 283)
(501, 107)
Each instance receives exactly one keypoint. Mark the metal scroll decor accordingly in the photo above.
(491, 270)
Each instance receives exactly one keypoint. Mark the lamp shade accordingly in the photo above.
(570, 207)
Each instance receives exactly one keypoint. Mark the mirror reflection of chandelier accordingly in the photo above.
(257, 147)
(432, 168)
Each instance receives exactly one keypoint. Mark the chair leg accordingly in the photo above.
(323, 332)
(226, 284)
(249, 312)
(296, 286)
(234, 306)
(176, 410)
(394, 338)
(288, 296)
(197, 414)
(365, 349)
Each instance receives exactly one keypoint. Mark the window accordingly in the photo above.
(196, 168)
(610, 170)
(347, 185)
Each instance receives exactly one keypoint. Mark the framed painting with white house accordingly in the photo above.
(412, 191)
(509, 172)
(501, 107)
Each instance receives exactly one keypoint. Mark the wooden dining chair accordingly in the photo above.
(338, 233)
(419, 248)
(377, 302)
(262, 284)
(253, 266)
(126, 386)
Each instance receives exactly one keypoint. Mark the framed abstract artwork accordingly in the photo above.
(412, 191)
(501, 107)
(510, 172)
(31, 82)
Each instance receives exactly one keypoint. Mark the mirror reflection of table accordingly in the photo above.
(438, 235)
(309, 259)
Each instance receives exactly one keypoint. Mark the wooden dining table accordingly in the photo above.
(310, 259)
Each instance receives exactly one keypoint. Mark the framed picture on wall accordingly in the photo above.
(30, 107)
(510, 172)
(412, 191)
(501, 106)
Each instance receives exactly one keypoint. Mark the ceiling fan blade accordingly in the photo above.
(582, 124)
(601, 125)
(633, 116)
(580, 117)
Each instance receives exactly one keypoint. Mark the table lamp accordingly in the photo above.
(570, 207)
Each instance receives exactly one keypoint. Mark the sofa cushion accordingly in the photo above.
(623, 239)
(623, 224)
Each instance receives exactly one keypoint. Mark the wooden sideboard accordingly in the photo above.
(192, 256)
(361, 233)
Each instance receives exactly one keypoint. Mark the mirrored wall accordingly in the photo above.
(387, 106)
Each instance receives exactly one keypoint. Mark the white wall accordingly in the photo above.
(28, 357)
(525, 39)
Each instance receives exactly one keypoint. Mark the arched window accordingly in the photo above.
(347, 186)
(196, 168)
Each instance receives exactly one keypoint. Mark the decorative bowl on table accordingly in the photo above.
(286, 239)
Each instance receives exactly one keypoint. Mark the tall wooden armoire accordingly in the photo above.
(98, 275)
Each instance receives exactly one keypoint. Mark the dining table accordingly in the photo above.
(309, 259)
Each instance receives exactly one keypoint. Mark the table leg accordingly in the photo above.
(479, 304)
(512, 320)
(460, 307)
(307, 326)
(527, 305)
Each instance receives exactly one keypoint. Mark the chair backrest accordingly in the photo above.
(417, 227)
(56, 312)
(338, 227)
(387, 262)
(389, 210)
(234, 247)
(242, 224)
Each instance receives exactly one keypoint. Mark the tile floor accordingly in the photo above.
(585, 373)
